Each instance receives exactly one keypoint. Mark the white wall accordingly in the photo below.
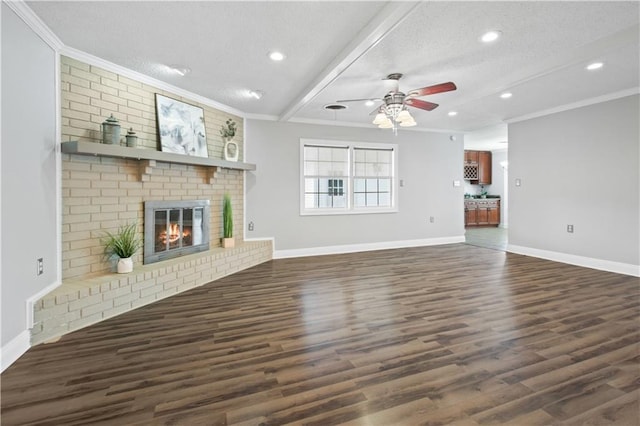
(29, 225)
(578, 167)
(428, 165)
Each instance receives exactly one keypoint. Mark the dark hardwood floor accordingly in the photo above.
(445, 335)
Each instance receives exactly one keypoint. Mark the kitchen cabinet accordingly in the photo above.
(482, 212)
(484, 168)
(477, 167)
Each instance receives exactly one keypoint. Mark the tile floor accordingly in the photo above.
(490, 237)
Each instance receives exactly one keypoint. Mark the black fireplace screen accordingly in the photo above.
(175, 228)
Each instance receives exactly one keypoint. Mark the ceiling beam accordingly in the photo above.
(382, 24)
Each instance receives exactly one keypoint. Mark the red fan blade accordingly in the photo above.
(417, 103)
(431, 90)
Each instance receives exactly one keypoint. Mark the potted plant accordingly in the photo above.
(123, 244)
(228, 132)
(227, 222)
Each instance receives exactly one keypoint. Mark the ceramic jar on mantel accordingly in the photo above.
(132, 139)
(111, 131)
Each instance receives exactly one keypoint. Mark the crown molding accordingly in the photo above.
(34, 22)
(575, 105)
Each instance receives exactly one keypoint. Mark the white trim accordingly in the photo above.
(34, 22)
(587, 262)
(142, 78)
(31, 301)
(14, 349)
(575, 105)
(354, 248)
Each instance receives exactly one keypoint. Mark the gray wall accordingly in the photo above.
(578, 167)
(428, 165)
(29, 226)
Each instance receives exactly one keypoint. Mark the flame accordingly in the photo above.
(174, 234)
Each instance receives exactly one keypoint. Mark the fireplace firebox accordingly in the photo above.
(175, 228)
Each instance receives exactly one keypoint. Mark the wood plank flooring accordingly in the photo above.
(445, 335)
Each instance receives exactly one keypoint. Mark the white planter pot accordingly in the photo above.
(231, 150)
(228, 242)
(125, 265)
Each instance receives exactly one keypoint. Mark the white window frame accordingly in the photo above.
(350, 209)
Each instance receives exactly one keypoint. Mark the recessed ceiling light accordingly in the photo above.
(256, 94)
(179, 69)
(276, 56)
(452, 113)
(595, 66)
(369, 103)
(490, 36)
(335, 107)
(506, 95)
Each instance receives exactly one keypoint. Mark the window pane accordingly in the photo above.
(310, 168)
(372, 199)
(311, 153)
(372, 185)
(324, 201)
(359, 200)
(310, 201)
(359, 185)
(310, 185)
(385, 199)
(340, 202)
(384, 185)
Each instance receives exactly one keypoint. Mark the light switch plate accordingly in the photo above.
(518, 182)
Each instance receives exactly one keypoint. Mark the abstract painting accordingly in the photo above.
(181, 127)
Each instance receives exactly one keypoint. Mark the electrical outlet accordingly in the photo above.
(250, 226)
(432, 219)
(40, 264)
(570, 229)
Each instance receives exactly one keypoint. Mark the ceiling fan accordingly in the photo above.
(393, 110)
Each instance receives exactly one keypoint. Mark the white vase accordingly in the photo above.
(231, 150)
(125, 265)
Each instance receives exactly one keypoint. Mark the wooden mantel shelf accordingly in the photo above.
(104, 150)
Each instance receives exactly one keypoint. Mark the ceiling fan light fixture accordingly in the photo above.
(506, 95)
(387, 124)
(452, 113)
(380, 118)
(404, 115)
(408, 123)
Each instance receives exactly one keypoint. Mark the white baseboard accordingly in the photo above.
(587, 262)
(353, 248)
(14, 349)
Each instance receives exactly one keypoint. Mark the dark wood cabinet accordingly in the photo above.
(471, 157)
(470, 214)
(477, 167)
(484, 168)
(482, 212)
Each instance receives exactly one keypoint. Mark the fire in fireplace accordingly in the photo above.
(175, 228)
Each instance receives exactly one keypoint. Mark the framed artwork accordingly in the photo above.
(181, 127)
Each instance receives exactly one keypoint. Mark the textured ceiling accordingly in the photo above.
(343, 50)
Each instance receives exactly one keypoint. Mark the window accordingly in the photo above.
(347, 177)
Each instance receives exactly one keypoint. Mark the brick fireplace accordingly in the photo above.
(102, 193)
